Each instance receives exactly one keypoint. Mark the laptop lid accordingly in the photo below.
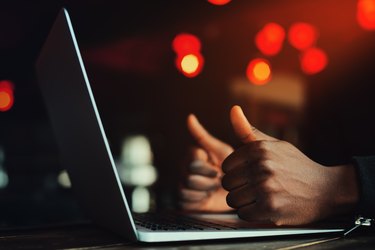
(86, 154)
(83, 145)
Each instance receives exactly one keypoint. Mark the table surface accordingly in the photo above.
(88, 236)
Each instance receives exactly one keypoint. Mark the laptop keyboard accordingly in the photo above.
(175, 222)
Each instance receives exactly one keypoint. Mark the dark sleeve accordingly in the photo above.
(366, 174)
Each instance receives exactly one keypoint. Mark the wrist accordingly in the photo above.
(344, 189)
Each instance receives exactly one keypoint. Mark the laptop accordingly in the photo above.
(86, 154)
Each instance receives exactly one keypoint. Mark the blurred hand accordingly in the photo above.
(271, 180)
(202, 189)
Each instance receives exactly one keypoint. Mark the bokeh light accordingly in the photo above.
(269, 40)
(191, 64)
(219, 2)
(6, 95)
(302, 35)
(313, 61)
(185, 43)
(366, 14)
(189, 59)
(259, 71)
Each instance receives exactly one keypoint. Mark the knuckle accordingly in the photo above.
(272, 205)
(259, 149)
(192, 182)
(225, 183)
(224, 165)
(266, 162)
(183, 195)
(243, 214)
(191, 179)
(270, 185)
(227, 164)
(229, 200)
(267, 166)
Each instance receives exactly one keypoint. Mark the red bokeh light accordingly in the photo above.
(190, 64)
(259, 71)
(302, 35)
(219, 2)
(185, 43)
(366, 14)
(6, 95)
(269, 40)
(189, 60)
(313, 60)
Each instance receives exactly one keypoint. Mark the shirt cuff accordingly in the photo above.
(366, 174)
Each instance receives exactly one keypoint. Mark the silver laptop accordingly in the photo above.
(86, 154)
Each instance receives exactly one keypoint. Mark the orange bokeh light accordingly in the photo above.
(190, 64)
(219, 2)
(302, 35)
(185, 43)
(269, 40)
(313, 61)
(6, 101)
(259, 71)
(366, 14)
(6, 95)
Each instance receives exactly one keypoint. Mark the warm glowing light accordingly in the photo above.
(6, 85)
(302, 35)
(313, 61)
(269, 40)
(189, 60)
(219, 2)
(6, 95)
(6, 101)
(191, 64)
(366, 14)
(185, 43)
(259, 71)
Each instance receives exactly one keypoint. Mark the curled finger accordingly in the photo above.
(190, 195)
(200, 167)
(244, 195)
(202, 183)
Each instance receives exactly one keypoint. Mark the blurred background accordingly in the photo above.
(302, 70)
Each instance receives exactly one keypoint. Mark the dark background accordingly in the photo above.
(126, 46)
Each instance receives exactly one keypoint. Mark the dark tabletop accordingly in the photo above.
(87, 236)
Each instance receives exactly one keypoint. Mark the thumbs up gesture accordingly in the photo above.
(202, 189)
(271, 180)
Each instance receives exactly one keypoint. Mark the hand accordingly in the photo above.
(202, 190)
(271, 180)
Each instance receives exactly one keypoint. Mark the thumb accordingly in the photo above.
(216, 149)
(243, 129)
